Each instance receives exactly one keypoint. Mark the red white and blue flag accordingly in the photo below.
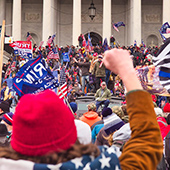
(62, 92)
(22, 48)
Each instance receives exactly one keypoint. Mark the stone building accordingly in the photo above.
(69, 18)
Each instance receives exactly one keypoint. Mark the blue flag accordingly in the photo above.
(164, 27)
(119, 24)
(66, 57)
(33, 77)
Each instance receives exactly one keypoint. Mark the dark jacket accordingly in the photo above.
(99, 71)
(84, 67)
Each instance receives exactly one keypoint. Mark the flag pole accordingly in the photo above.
(2, 50)
(66, 100)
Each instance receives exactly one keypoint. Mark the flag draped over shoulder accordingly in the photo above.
(34, 76)
(22, 48)
(162, 61)
(62, 92)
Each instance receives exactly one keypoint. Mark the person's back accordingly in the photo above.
(90, 118)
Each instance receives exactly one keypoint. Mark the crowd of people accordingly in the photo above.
(46, 133)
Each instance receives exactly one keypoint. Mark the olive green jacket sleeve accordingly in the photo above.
(144, 149)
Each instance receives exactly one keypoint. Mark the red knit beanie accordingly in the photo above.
(166, 107)
(42, 123)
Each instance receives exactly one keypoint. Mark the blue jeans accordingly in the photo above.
(83, 82)
(107, 76)
(105, 102)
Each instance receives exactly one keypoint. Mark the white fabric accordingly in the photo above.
(8, 164)
(83, 132)
(124, 133)
(158, 111)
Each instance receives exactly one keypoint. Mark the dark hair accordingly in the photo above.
(77, 150)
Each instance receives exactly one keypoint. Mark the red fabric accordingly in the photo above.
(90, 118)
(166, 107)
(42, 123)
(164, 127)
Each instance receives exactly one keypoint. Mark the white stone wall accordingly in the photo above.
(32, 17)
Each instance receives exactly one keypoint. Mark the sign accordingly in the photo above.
(8, 40)
(23, 48)
(33, 77)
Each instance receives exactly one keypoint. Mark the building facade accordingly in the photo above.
(69, 18)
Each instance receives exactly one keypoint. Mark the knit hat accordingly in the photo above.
(166, 107)
(158, 111)
(8, 118)
(3, 130)
(4, 105)
(91, 106)
(42, 123)
(73, 106)
(83, 132)
(111, 121)
(99, 56)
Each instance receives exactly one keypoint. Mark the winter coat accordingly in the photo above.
(95, 131)
(106, 94)
(99, 71)
(90, 118)
(84, 68)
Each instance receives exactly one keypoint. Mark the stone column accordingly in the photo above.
(2, 11)
(136, 21)
(107, 25)
(16, 20)
(48, 27)
(166, 11)
(76, 21)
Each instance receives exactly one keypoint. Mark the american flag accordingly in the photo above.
(29, 37)
(107, 160)
(56, 56)
(62, 92)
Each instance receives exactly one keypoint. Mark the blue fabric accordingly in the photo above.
(95, 131)
(105, 102)
(34, 76)
(164, 74)
(107, 160)
(66, 57)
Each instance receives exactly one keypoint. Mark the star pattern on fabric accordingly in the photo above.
(87, 167)
(54, 167)
(77, 162)
(104, 161)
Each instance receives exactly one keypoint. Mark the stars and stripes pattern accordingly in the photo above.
(162, 61)
(107, 160)
(62, 92)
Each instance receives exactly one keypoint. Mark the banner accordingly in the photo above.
(150, 81)
(33, 77)
(23, 49)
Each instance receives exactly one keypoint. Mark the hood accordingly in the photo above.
(90, 115)
(107, 159)
(124, 133)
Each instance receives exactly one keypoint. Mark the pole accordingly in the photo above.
(2, 50)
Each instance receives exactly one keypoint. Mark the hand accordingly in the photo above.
(119, 62)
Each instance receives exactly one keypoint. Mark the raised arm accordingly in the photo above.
(144, 149)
